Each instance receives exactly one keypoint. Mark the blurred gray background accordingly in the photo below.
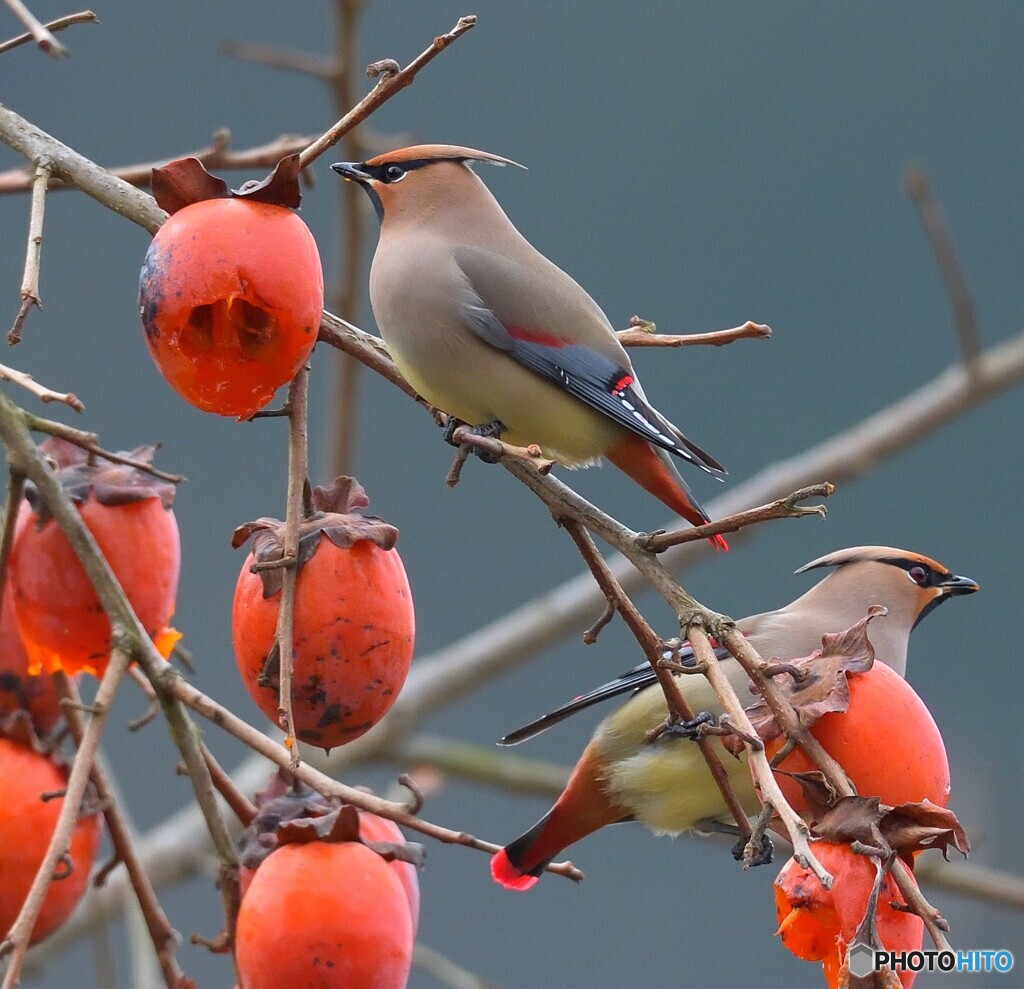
(699, 164)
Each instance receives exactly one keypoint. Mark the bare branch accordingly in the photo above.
(392, 80)
(241, 806)
(17, 940)
(34, 251)
(654, 650)
(90, 443)
(444, 970)
(351, 220)
(284, 59)
(642, 333)
(783, 508)
(42, 35)
(216, 156)
(796, 828)
(920, 192)
(41, 392)
(171, 683)
(165, 939)
(298, 457)
(83, 17)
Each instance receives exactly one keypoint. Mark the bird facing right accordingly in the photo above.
(666, 785)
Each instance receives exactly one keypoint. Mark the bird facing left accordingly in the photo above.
(490, 331)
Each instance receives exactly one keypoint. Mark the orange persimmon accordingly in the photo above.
(59, 616)
(324, 913)
(231, 295)
(886, 741)
(19, 689)
(27, 823)
(819, 924)
(354, 623)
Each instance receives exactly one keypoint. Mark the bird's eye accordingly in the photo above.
(919, 576)
(394, 173)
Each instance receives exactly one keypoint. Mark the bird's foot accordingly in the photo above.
(692, 729)
(490, 430)
(763, 853)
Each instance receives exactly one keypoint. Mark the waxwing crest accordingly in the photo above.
(880, 554)
(438, 152)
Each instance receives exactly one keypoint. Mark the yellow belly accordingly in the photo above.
(478, 384)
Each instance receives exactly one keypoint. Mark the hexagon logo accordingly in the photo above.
(861, 960)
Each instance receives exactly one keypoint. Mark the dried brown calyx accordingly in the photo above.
(186, 181)
(82, 474)
(338, 516)
(290, 813)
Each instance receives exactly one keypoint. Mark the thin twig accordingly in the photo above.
(789, 721)
(392, 80)
(41, 392)
(83, 17)
(783, 508)
(153, 707)
(480, 764)
(175, 685)
(464, 436)
(298, 470)
(90, 443)
(241, 806)
(165, 939)
(796, 827)
(920, 192)
(42, 35)
(284, 59)
(642, 333)
(34, 250)
(216, 156)
(17, 940)
(653, 649)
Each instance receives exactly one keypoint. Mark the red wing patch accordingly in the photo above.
(537, 336)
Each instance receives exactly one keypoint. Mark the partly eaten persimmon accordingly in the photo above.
(231, 293)
(819, 924)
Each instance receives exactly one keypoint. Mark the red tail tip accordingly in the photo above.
(719, 543)
(506, 874)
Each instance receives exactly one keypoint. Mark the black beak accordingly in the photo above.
(351, 170)
(959, 585)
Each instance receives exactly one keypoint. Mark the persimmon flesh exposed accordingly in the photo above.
(231, 296)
